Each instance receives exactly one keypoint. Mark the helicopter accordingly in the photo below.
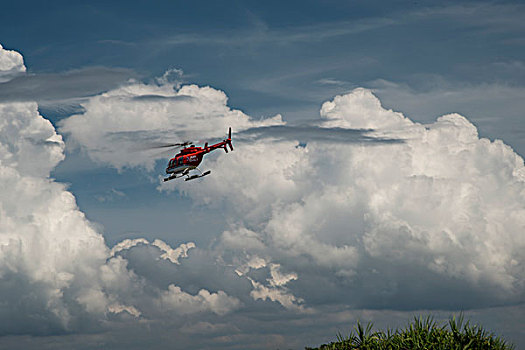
(190, 157)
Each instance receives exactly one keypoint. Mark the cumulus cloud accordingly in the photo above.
(360, 109)
(44, 237)
(11, 64)
(56, 272)
(431, 96)
(174, 299)
(433, 200)
(444, 205)
(117, 124)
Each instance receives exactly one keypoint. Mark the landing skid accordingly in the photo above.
(172, 177)
(197, 176)
(188, 177)
(176, 176)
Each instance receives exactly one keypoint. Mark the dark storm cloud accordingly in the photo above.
(62, 86)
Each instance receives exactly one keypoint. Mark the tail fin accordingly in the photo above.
(228, 141)
(230, 138)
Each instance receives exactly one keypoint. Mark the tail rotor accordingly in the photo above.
(228, 141)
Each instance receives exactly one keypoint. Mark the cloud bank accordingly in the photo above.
(57, 274)
(439, 211)
(433, 220)
(404, 224)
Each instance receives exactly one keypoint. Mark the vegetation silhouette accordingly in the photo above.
(421, 334)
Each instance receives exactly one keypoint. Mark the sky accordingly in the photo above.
(377, 174)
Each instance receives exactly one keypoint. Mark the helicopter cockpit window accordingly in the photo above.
(180, 161)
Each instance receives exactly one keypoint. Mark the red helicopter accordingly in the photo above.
(190, 157)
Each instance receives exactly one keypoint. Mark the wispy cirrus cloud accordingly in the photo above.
(488, 17)
(485, 16)
(261, 33)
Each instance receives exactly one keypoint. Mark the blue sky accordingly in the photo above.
(419, 58)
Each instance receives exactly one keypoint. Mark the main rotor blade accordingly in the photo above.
(168, 145)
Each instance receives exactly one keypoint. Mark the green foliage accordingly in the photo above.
(421, 334)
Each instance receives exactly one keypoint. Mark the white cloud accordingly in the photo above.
(330, 81)
(182, 303)
(444, 201)
(29, 143)
(275, 289)
(168, 253)
(127, 244)
(481, 103)
(254, 262)
(278, 278)
(11, 64)
(171, 254)
(118, 308)
(43, 236)
(280, 295)
(361, 110)
(119, 124)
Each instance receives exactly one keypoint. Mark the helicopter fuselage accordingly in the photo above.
(187, 159)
